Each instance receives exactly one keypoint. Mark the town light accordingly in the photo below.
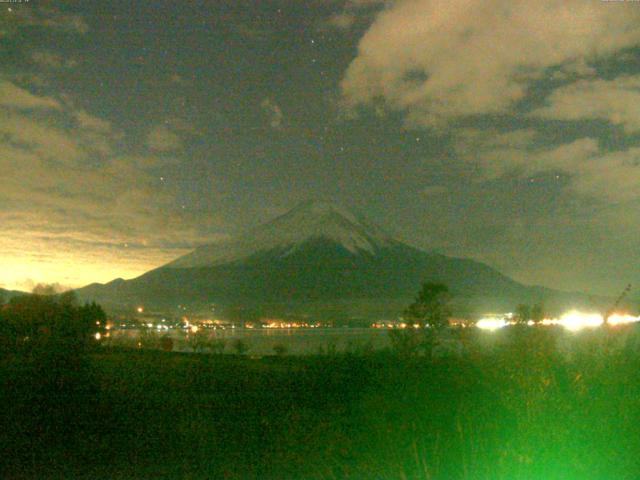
(575, 320)
(491, 323)
(622, 319)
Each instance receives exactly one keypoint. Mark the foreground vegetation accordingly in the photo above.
(518, 404)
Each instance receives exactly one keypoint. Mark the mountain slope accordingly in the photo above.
(317, 253)
(308, 221)
(8, 294)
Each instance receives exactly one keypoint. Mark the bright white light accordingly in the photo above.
(575, 320)
(572, 321)
(621, 319)
(98, 336)
(491, 323)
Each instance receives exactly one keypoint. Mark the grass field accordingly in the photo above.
(517, 405)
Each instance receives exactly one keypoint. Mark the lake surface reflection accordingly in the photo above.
(260, 341)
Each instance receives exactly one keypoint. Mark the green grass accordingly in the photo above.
(516, 406)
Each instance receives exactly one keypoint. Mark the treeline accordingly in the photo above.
(36, 323)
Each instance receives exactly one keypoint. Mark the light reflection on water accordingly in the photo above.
(263, 341)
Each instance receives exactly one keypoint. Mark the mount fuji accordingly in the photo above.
(308, 222)
(317, 258)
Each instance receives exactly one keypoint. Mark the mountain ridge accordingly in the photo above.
(315, 253)
(8, 294)
(305, 222)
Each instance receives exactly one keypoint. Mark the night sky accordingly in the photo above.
(505, 131)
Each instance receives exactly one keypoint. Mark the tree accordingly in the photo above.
(166, 343)
(431, 307)
(71, 298)
(48, 323)
(537, 312)
(523, 313)
(197, 340)
(45, 289)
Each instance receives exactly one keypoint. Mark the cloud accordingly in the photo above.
(12, 96)
(162, 139)
(616, 101)
(70, 197)
(341, 21)
(574, 69)
(51, 18)
(51, 60)
(41, 138)
(274, 112)
(432, 190)
(609, 177)
(491, 154)
(251, 31)
(351, 12)
(436, 61)
(90, 122)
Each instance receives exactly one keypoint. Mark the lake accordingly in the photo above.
(262, 341)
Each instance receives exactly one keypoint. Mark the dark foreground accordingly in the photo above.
(517, 409)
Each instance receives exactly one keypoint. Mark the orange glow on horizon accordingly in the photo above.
(26, 270)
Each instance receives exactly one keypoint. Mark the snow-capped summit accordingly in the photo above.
(308, 221)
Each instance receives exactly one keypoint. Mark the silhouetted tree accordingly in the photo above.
(431, 307)
(7, 340)
(69, 298)
(44, 289)
(197, 340)
(56, 388)
(40, 323)
(523, 313)
(166, 343)
(537, 312)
